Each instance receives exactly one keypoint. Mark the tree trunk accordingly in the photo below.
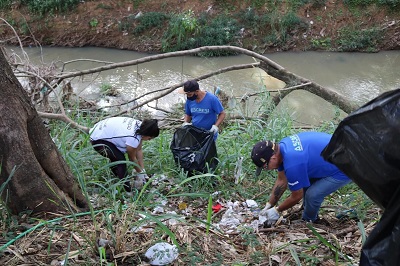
(293, 80)
(34, 176)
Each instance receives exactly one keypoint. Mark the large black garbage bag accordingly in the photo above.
(194, 149)
(366, 147)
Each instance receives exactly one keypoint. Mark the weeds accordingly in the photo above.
(122, 219)
(150, 20)
(181, 27)
(359, 40)
(46, 7)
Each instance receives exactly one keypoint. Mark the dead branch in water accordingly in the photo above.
(293, 82)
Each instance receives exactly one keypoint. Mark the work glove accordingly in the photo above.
(140, 180)
(186, 124)
(272, 216)
(263, 212)
(214, 129)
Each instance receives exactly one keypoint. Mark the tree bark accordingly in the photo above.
(296, 81)
(34, 176)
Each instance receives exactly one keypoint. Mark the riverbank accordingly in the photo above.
(156, 26)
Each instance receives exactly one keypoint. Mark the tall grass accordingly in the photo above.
(115, 216)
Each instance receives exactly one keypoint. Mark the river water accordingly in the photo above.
(359, 76)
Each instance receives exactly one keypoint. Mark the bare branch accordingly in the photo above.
(172, 54)
(64, 118)
(170, 89)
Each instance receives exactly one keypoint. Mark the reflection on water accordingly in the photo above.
(359, 76)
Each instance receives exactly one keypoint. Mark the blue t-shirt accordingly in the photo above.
(204, 114)
(302, 159)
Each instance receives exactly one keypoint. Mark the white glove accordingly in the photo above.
(214, 129)
(272, 216)
(140, 180)
(186, 124)
(263, 212)
(143, 175)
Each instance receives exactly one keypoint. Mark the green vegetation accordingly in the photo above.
(115, 215)
(107, 89)
(217, 31)
(321, 43)
(150, 20)
(181, 27)
(93, 22)
(258, 25)
(351, 39)
(46, 7)
(5, 4)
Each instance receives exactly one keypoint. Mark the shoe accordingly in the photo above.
(322, 221)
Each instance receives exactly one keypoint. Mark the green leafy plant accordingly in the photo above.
(44, 7)
(321, 43)
(108, 89)
(150, 20)
(93, 22)
(351, 39)
(5, 4)
(180, 27)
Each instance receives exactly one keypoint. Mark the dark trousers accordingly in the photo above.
(110, 151)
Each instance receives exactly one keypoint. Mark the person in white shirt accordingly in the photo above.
(115, 136)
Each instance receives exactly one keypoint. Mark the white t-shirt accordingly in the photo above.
(121, 131)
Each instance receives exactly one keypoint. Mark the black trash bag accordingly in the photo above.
(366, 147)
(194, 149)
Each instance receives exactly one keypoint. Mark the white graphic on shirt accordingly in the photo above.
(296, 143)
(200, 110)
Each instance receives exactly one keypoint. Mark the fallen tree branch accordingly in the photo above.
(64, 118)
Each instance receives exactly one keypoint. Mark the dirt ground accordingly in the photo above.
(76, 29)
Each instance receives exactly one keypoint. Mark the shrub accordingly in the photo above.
(282, 27)
(150, 20)
(43, 7)
(5, 4)
(393, 4)
(221, 31)
(180, 27)
(355, 40)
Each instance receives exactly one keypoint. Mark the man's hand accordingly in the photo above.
(272, 216)
(263, 212)
(186, 124)
(140, 180)
(214, 129)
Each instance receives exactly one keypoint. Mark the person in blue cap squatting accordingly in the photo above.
(202, 109)
(302, 168)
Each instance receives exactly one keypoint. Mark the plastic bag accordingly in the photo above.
(194, 149)
(366, 147)
(162, 254)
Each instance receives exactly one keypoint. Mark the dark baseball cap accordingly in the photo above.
(189, 86)
(262, 153)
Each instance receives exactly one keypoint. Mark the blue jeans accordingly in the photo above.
(314, 195)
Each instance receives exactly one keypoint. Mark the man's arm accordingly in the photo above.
(278, 189)
(292, 200)
(221, 118)
(187, 118)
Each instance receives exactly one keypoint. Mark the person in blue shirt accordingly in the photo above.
(202, 109)
(302, 169)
